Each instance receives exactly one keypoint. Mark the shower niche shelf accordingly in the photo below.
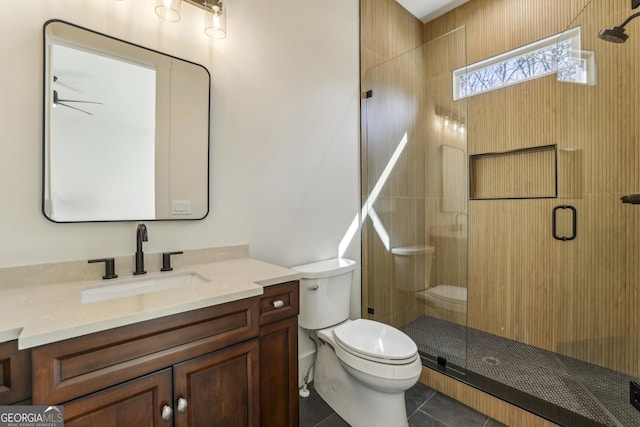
(528, 173)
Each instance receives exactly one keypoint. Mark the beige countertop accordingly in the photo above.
(41, 314)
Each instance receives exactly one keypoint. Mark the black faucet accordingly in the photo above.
(141, 236)
(109, 267)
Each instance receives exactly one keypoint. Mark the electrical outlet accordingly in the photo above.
(634, 394)
(181, 207)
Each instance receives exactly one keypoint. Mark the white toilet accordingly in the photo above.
(451, 298)
(413, 265)
(362, 367)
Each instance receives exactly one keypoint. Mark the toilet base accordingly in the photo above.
(357, 404)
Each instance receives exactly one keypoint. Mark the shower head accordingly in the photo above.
(616, 34)
(613, 35)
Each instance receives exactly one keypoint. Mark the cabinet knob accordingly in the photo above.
(167, 413)
(278, 303)
(182, 405)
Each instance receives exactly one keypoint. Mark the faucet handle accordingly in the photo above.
(109, 267)
(166, 260)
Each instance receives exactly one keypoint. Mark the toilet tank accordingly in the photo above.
(325, 292)
(412, 267)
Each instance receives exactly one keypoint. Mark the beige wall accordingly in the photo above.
(507, 238)
(387, 30)
(578, 297)
(284, 133)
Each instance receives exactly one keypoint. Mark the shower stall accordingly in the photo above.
(495, 232)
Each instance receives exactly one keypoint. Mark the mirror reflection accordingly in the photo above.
(126, 131)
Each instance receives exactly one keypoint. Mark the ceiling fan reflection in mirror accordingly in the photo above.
(58, 101)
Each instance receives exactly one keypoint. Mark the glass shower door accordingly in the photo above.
(415, 199)
(598, 271)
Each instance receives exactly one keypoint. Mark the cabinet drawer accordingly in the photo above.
(15, 373)
(279, 302)
(68, 369)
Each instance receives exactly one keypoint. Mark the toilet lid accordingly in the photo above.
(375, 339)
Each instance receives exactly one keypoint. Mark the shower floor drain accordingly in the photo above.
(490, 360)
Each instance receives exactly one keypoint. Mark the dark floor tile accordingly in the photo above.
(435, 410)
(493, 423)
(313, 409)
(453, 413)
(416, 396)
(333, 421)
(421, 419)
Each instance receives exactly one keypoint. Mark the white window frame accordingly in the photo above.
(578, 66)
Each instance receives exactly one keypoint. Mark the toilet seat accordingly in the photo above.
(383, 368)
(375, 341)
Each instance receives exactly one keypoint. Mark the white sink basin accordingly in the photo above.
(138, 286)
(451, 231)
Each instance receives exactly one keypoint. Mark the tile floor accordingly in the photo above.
(591, 391)
(425, 408)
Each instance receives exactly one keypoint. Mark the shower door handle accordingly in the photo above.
(633, 199)
(574, 220)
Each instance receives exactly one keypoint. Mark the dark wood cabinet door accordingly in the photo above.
(279, 374)
(15, 374)
(135, 403)
(219, 389)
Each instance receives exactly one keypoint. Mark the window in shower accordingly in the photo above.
(559, 53)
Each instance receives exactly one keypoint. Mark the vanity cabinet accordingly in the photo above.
(208, 367)
(279, 356)
(216, 389)
(15, 374)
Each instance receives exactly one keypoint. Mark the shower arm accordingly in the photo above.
(629, 19)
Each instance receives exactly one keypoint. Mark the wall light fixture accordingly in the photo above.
(215, 20)
(452, 120)
(169, 10)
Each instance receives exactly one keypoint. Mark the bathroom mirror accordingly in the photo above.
(454, 179)
(126, 130)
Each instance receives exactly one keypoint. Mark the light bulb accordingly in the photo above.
(169, 10)
(215, 25)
